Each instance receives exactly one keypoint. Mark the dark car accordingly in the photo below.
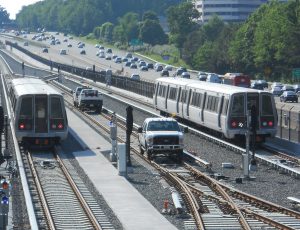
(264, 83)
(297, 88)
(159, 68)
(186, 75)
(133, 66)
(289, 96)
(144, 68)
(45, 50)
(128, 63)
(180, 70)
(202, 76)
(288, 88)
(135, 59)
(125, 59)
(164, 72)
(150, 65)
(82, 52)
(257, 85)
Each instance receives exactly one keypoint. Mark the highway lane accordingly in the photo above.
(74, 57)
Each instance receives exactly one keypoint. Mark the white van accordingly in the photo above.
(213, 78)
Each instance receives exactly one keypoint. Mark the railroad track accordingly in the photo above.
(212, 204)
(64, 198)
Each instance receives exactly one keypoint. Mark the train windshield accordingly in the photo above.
(26, 108)
(163, 126)
(267, 109)
(41, 111)
(253, 100)
(56, 110)
(238, 105)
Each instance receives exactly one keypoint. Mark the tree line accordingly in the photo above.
(82, 16)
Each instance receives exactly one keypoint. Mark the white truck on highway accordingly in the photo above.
(86, 98)
(161, 136)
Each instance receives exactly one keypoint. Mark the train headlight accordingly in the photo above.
(60, 126)
(21, 126)
(53, 126)
(270, 123)
(264, 123)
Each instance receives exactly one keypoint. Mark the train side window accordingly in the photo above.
(172, 93)
(196, 99)
(238, 105)
(193, 98)
(225, 107)
(26, 108)
(56, 110)
(216, 104)
(208, 102)
(162, 91)
(267, 108)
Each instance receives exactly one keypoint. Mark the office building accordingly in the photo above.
(227, 10)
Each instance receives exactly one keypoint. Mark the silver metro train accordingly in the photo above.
(218, 107)
(39, 114)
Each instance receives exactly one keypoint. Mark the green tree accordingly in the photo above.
(152, 33)
(4, 16)
(129, 25)
(181, 19)
(119, 34)
(107, 31)
(204, 59)
(213, 28)
(150, 15)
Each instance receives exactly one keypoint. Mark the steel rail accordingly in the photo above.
(215, 186)
(260, 202)
(194, 207)
(266, 220)
(43, 199)
(82, 201)
(282, 155)
(253, 200)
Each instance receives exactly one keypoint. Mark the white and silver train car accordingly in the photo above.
(218, 107)
(39, 114)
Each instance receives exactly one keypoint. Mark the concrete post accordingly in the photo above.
(122, 160)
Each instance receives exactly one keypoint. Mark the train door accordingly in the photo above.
(41, 114)
(155, 94)
(203, 107)
(253, 100)
(220, 112)
(166, 98)
(188, 103)
(183, 101)
(177, 100)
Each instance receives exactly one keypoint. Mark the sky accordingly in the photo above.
(14, 6)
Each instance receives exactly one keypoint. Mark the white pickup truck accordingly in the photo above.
(161, 136)
(88, 99)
